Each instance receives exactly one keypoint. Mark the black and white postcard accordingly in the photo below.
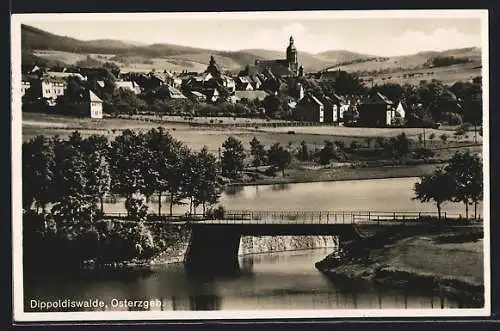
(250, 165)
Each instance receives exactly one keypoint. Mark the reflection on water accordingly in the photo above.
(280, 187)
(351, 195)
(233, 190)
(285, 280)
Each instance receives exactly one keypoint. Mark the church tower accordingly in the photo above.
(291, 56)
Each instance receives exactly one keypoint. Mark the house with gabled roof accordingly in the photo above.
(174, 93)
(86, 104)
(128, 85)
(375, 111)
(310, 109)
(244, 83)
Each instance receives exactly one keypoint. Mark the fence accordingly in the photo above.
(301, 217)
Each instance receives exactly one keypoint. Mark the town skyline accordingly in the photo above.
(387, 36)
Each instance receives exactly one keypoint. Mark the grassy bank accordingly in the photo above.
(441, 260)
(298, 174)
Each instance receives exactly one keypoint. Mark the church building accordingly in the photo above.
(282, 67)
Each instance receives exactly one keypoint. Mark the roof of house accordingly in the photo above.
(338, 97)
(326, 100)
(175, 93)
(227, 79)
(309, 98)
(256, 79)
(244, 79)
(384, 98)
(198, 94)
(93, 97)
(56, 74)
(251, 95)
(127, 84)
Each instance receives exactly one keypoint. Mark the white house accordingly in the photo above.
(94, 105)
(128, 85)
(400, 110)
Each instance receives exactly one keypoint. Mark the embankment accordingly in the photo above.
(252, 245)
(445, 260)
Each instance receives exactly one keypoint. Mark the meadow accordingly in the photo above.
(34, 124)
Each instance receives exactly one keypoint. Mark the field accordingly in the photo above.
(448, 75)
(34, 124)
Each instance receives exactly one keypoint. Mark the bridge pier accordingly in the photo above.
(213, 250)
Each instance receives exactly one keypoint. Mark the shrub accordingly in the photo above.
(420, 153)
(462, 129)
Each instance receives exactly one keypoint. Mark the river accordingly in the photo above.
(285, 280)
(392, 194)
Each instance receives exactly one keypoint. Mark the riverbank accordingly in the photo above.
(341, 173)
(446, 261)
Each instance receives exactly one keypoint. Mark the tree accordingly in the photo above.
(233, 157)
(401, 145)
(126, 102)
(303, 154)
(112, 67)
(176, 170)
(162, 158)
(38, 172)
(272, 105)
(74, 203)
(380, 142)
(438, 187)
(354, 145)
(258, 152)
(279, 157)
(466, 170)
(127, 164)
(340, 144)
(207, 190)
(95, 150)
(327, 153)
(368, 141)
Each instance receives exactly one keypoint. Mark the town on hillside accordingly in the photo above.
(271, 89)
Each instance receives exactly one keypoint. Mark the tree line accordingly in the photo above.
(76, 174)
(459, 181)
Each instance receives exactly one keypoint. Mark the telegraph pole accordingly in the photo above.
(424, 137)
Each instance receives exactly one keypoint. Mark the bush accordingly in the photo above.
(420, 153)
(462, 129)
(453, 118)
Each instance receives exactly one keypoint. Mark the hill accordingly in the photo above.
(136, 56)
(39, 46)
(408, 62)
(341, 56)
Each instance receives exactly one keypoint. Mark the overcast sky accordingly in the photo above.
(377, 36)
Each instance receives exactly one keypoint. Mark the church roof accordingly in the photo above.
(277, 67)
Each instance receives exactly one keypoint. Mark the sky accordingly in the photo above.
(368, 35)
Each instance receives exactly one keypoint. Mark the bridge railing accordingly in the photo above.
(300, 217)
(334, 217)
